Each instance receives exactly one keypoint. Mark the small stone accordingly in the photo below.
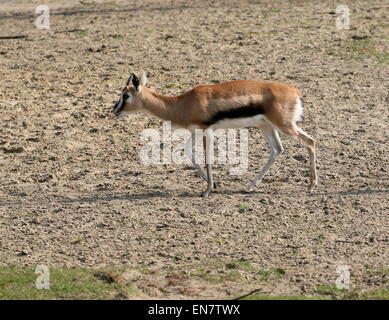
(22, 253)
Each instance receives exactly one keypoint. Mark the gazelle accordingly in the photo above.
(273, 107)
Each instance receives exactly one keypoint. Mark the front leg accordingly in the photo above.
(188, 150)
(210, 181)
(208, 148)
(191, 156)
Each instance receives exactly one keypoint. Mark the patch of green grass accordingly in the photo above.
(118, 37)
(344, 294)
(240, 265)
(170, 85)
(380, 294)
(363, 49)
(49, 68)
(329, 290)
(243, 207)
(109, 283)
(272, 273)
(142, 269)
(82, 33)
(301, 22)
(217, 271)
(25, 213)
(215, 276)
(256, 296)
(65, 283)
(383, 271)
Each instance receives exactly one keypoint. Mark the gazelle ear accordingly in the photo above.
(134, 81)
(143, 78)
(129, 79)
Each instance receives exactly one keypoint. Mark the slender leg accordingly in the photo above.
(208, 145)
(271, 136)
(188, 151)
(310, 145)
(293, 130)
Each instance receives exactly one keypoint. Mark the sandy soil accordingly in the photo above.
(73, 191)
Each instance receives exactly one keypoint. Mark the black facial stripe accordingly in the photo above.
(119, 105)
(135, 81)
(129, 79)
(250, 110)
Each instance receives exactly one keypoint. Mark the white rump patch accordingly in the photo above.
(298, 116)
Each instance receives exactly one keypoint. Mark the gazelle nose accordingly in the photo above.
(115, 108)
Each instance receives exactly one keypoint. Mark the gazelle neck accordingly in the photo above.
(163, 107)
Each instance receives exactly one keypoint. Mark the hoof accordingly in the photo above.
(206, 194)
(312, 186)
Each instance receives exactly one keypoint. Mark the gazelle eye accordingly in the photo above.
(125, 96)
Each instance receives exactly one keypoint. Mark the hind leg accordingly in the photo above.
(299, 134)
(310, 145)
(208, 152)
(271, 136)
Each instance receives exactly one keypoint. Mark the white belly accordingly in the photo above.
(255, 121)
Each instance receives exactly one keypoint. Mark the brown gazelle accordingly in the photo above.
(273, 107)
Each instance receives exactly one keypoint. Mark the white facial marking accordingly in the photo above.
(130, 99)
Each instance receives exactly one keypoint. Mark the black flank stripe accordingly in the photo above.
(250, 110)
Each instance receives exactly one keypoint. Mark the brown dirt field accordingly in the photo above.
(73, 191)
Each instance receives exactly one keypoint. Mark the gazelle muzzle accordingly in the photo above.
(117, 108)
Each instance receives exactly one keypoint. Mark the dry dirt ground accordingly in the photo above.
(73, 191)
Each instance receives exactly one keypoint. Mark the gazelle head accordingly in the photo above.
(130, 97)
